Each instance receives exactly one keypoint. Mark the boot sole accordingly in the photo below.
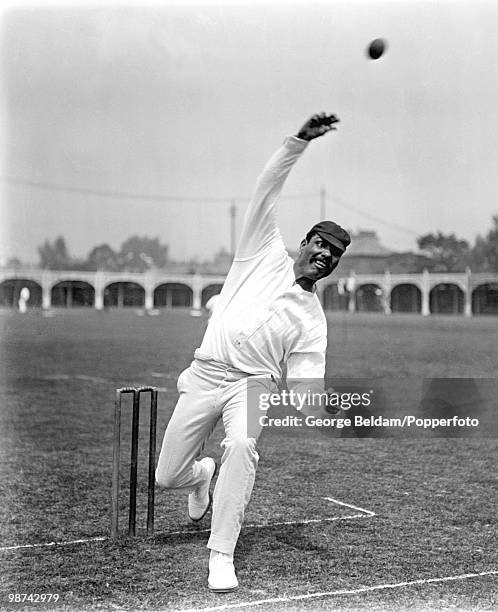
(227, 590)
(210, 503)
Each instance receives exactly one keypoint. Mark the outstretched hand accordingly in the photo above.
(317, 125)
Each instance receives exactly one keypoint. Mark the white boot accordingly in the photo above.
(200, 500)
(222, 578)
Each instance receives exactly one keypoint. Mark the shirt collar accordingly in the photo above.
(312, 292)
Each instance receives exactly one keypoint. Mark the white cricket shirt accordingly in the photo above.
(263, 318)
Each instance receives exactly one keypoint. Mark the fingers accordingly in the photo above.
(330, 119)
(323, 120)
(318, 125)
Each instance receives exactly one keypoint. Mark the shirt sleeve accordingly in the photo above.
(260, 229)
(305, 380)
(306, 366)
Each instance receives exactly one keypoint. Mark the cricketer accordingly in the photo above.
(267, 314)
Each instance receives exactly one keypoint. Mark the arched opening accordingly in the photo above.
(10, 292)
(485, 299)
(446, 298)
(335, 297)
(406, 298)
(173, 295)
(209, 291)
(124, 294)
(369, 298)
(70, 294)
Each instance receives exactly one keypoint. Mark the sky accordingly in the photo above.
(119, 119)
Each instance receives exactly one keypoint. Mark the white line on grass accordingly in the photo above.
(92, 379)
(365, 589)
(340, 503)
(364, 514)
(85, 377)
(96, 379)
(46, 544)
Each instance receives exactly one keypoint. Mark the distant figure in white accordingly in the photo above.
(211, 304)
(23, 300)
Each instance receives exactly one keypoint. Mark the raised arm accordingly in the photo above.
(260, 228)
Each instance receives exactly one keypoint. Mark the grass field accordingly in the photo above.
(418, 528)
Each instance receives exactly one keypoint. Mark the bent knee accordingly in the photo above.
(166, 480)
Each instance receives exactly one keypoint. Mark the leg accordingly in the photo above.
(193, 420)
(238, 464)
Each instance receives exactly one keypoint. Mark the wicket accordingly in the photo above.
(136, 392)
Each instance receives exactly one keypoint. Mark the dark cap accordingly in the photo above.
(333, 233)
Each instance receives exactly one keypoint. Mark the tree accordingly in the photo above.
(446, 252)
(138, 254)
(54, 256)
(103, 257)
(485, 251)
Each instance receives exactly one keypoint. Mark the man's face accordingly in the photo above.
(317, 258)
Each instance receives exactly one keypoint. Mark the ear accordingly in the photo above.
(304, 242)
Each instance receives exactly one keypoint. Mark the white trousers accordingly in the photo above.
(211, 390)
